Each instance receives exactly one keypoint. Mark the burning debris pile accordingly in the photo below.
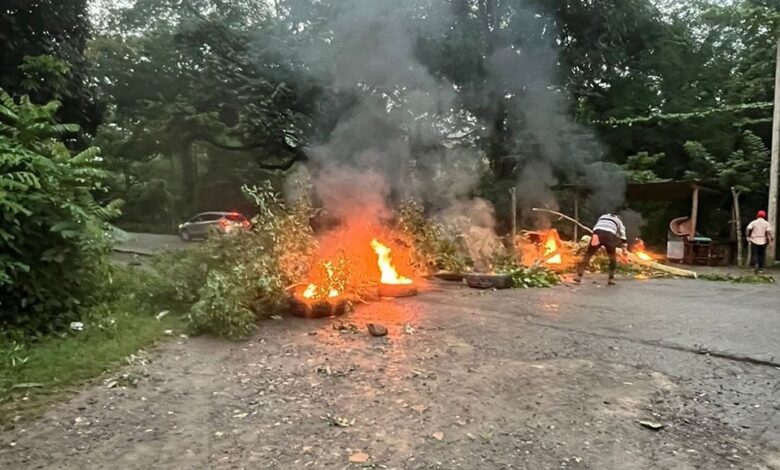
(546, 248)
(354, 262)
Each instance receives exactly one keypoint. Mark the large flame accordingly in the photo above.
(389, 274)
(551, 246)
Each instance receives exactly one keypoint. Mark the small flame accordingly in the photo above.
(311, 289)
(551, 246)
(643, 256)
(389, 274)
(639, 250)
(311, 292)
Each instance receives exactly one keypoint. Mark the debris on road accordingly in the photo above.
(377, 330)
(655, 426)
(338, 421)
(346, 327)
(438, 435)
(360, 457)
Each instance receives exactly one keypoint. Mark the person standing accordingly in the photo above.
(759, 234)
(610, 233)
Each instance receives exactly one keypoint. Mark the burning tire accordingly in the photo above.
(396, 290)
(317, 308)
(449, 276)
(489, 281)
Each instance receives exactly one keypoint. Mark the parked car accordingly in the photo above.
(202, 225)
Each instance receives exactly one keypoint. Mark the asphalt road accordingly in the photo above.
(149, 243)
(539, 378)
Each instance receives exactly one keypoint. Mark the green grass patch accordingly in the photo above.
(33, 373)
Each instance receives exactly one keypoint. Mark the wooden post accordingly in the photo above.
(775, 165)
(694, 212)
(576, 216)
(513, 193)
(737, 224)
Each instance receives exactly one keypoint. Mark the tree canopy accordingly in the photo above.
(190, 99)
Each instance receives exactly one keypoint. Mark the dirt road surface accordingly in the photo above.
(539, 379)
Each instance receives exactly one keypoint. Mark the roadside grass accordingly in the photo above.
(35, 373)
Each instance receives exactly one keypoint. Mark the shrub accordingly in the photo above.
(53, 260)
(230, 281)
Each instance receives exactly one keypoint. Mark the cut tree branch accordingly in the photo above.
(562, 216)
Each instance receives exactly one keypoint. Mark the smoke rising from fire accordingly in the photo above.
(392, 140)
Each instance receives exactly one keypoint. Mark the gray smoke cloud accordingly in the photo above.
(369, 157)
(552, 145)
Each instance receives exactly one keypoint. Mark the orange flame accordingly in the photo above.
(551, 246)
(310, 291)
(389, 274)
(639, 251)
(643, 256)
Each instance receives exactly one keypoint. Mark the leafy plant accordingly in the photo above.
(533, 276)
(51, 227)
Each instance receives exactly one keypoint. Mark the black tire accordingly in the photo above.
(317, 309)
(489, 281)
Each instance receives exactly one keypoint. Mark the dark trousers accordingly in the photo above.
(759, 255)
(610, 242)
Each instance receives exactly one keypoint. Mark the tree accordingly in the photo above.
(42, 54)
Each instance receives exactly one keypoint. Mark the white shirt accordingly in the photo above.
(758, 231)
(612, 224)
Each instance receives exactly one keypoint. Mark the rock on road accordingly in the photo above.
(541, 378)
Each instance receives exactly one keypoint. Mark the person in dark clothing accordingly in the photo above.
(610, 233)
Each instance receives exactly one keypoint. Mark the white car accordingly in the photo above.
(203, 224)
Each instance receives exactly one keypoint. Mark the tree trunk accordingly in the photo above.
(737, 225)
(189, 176)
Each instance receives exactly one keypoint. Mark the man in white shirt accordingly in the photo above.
(759, 234)
(610, 233)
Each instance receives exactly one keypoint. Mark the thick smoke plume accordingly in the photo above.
(368, 157)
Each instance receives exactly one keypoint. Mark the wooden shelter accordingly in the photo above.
(696, 249)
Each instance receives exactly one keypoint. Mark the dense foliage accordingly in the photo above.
(51, 227)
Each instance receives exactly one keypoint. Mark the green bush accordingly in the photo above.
(53, 260)
(228, 282)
